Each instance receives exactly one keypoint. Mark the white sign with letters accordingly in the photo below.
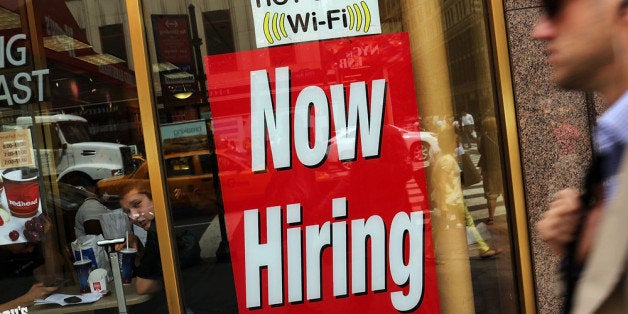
(280, 22)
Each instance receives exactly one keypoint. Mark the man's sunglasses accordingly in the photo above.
(553, 7)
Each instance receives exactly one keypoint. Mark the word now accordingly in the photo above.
(405, 255)
(269, 2)
(311, 102)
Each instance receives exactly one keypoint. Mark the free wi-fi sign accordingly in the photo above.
(279, 22)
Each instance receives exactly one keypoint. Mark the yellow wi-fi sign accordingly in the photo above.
(355, 17)
(275, 27)
(359, 18)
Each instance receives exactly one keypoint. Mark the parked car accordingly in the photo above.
(422, 147)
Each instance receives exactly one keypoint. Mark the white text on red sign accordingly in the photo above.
(276, 121)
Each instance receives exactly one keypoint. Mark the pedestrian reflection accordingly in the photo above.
(448, 196)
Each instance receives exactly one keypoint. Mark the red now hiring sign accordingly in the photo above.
(326, 210)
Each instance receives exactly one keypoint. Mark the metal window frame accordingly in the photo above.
(519, 218)
(150, 127)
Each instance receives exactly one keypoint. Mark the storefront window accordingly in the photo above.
(315, 157)
(70, 121)
(453, 143)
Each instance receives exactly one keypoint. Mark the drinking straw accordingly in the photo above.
(127, 239)
(81, 253)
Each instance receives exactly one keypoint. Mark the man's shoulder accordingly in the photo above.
(92, 204)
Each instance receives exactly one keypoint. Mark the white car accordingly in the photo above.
(427, 149)
(422, 147)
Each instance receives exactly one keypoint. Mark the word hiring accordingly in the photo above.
(17, 310)
(405, 255)
(21, 81)
(276, 121)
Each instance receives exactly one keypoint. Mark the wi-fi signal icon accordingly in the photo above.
(275, 27)
(359, 18)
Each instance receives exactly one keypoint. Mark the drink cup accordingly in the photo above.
(127, 258)
(22, 191)
(83, 268)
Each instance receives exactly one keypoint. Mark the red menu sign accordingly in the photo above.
(172, 39)
(326, 208)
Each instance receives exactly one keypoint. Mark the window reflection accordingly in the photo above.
(80, 112)
(181, 166)
(92, 78)
(75, 131)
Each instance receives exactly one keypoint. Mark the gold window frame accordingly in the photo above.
(523, 266)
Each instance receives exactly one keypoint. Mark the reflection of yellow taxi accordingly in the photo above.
(237, 178)
(190, 182)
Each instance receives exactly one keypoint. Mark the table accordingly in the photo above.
(105, 302)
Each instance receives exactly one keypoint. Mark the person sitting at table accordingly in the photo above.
(22, 270)
(86, 220)
(137, 202)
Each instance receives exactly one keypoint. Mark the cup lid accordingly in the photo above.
(83, 261)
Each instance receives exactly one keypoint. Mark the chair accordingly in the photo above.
(92, 226)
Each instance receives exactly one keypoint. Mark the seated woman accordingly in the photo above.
(136, 201)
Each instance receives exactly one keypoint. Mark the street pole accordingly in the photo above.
(222, 253)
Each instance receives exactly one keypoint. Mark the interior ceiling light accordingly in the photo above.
(182, 94)
(101, 59)
(64, 43)
(9, 20)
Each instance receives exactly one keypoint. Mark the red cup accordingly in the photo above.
(21, 188)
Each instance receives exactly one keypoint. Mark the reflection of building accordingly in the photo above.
(468, 54)
(84, 75)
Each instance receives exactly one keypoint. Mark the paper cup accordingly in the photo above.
(83, 268)
(22, 191)
(127, 258)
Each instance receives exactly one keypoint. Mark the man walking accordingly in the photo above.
(468, 128)
(587, 47)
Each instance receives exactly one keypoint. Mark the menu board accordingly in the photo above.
(17, 149)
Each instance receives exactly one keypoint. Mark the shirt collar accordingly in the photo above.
(611, 126)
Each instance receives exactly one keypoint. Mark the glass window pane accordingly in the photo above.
(454, 153)
(71, 144)
(71, 137)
